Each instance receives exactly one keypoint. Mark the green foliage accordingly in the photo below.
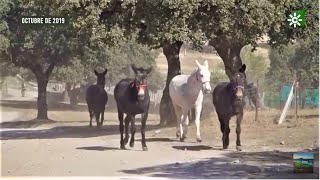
(280, 33)
(116, 59)
(301, 57)
(256, 64)
(217, 76)
(236, 22)
(73, 72)
(38, 48)
(47, 46)
(161, 22)
(26, 74)
(8, 69)
(245, 22)
(306, 62)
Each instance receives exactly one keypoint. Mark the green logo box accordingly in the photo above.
(303, 162)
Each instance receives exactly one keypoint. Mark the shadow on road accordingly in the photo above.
(57, 106)
(158, 140)
(97, 148)
(194, 148)
(66, 132)
(26, 124)
(269, 164)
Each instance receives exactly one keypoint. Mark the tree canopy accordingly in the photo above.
(116, 59)
(99, 35)
(301, 58)
(40, 48)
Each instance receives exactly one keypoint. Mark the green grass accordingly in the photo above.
(302, 165)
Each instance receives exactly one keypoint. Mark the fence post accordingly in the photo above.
(296, 96)
(286, 107)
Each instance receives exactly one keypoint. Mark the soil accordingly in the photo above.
(67, 146)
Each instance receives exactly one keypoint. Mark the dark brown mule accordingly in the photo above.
(97, 98)
(228, 101)
(132, 98)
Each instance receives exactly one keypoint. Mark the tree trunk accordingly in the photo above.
(42, 97)
(171, 51)
(229, 53)
(42, 80)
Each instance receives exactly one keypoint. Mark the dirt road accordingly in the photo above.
(69, 147)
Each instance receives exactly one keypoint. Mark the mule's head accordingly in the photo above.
(101, 79)
(203, 76)
(140, 81)
(238, 82)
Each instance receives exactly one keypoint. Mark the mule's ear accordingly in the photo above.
(206, 64)
(243, 68)
(134, 68)
(105, 72)
(198, 64)
(96, 73)
(149, 70)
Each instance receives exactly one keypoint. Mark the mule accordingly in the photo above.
(252, 96)
(132, 98)
(186, 92)
(228, 100)
(97, 98)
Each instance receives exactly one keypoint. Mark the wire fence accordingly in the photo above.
(272, 98)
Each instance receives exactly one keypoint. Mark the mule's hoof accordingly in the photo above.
(199, 140)
(90, 125)
(132, 144)
(126, 140)
(122, 147)
(182, 139)
(225, 147)
(145, 148)
(178, 134)
(239, 148)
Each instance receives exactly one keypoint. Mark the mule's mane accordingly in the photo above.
(195, 71)
(193, 75)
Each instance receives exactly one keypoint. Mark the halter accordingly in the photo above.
(237, 87)
(139, 85)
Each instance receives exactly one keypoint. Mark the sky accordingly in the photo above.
(303, 155)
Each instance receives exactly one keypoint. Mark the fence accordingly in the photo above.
(309, 96)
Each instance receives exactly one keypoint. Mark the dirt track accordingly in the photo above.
(69, 147)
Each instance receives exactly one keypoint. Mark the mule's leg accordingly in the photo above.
(226, 130)
(178, 113)
(184, 125)
(126, 128)
(133, 131)
(197, 121)
(120, 116)
(238, 131)
(91, 116)
(143, 128)
(102, 117)
(97, 119)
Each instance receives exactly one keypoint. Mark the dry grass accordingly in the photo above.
(188, 64)
(262, 135)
